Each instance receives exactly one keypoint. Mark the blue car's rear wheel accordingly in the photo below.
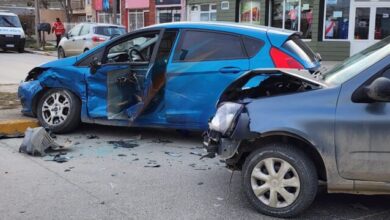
(59, 110)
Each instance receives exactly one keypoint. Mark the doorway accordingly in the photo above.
(370, 22)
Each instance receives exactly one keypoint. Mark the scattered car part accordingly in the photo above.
(36, 141)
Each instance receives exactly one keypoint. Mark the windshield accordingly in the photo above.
(109, 30)
(9, 21)
(358, 62)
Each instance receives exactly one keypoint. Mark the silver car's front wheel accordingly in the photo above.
(59, 110)
(279, 179)
(275, 182)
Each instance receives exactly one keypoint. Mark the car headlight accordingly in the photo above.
(225, 116)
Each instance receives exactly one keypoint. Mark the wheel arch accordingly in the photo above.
(298, 141)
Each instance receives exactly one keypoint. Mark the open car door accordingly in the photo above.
(133, 74)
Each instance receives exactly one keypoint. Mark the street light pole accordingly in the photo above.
(37, 21)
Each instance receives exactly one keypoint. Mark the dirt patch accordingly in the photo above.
(9, 100)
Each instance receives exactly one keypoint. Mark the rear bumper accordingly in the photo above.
(12, 43)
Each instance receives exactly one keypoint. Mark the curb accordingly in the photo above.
(16, 128)
(39, 52)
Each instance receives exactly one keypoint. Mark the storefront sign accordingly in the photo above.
(305, 7)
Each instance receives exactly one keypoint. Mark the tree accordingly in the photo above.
(67, 6)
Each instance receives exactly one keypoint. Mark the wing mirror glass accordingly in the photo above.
(379, 90)
(67, 35)
(95, 65)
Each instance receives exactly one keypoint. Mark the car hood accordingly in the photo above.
(61, 62)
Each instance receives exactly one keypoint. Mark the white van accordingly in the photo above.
(12, 36)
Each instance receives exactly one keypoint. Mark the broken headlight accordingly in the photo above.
(225, 117)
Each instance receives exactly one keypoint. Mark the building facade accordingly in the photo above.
(334, 28)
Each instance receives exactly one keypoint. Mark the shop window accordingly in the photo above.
(296, 15)
(250, 12)
(336, 19)
(202, 46)
(362, 23)
(382, 23)
(136, 20)
(204, 12)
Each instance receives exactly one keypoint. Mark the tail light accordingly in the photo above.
(98, 39)
(283, 60)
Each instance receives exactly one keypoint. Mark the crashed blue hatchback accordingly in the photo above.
(168, 75)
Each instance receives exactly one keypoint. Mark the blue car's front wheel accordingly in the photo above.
(59, 110)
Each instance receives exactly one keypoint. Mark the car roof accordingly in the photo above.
(7, 13)
(102, 24)
(227, 26)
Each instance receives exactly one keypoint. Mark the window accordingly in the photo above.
(135, 49)
(296, 15)
(252, 46)
(382, 23)
(250, 11)
(168, 15)
(136, 20)
(336, 19)
(299, 48)
(109, 30)
(204, 12)
(106, 18)
(165, 47)
(85, 29)
(9, 21)
(203, 46)
(75, 31)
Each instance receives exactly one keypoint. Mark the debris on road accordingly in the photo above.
(92, 136)
(173, 154)
(161, 141)
(200, 183)
(122, 155)
(153, 165)
(59, 158)
(196, 153)
(124, 143)
(69, 169)
(36, 141)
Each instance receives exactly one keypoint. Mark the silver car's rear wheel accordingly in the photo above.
(56, 108)
(275, 182)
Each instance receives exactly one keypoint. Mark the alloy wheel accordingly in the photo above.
(56, 108)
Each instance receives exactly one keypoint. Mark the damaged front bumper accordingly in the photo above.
(227, 145)
(26, 93)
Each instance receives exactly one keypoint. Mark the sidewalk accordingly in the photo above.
(39, 52)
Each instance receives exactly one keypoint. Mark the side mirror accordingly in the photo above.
(94, 65)
(67, 35)
(379, 90)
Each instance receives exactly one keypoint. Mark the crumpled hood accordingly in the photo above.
(62, 62)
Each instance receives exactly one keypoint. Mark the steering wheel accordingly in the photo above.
(137, 53)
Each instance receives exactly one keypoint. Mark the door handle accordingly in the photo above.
(230, 70)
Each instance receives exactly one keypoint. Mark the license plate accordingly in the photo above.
(9, 35)
(9, 45)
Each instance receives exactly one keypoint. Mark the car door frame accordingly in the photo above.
(159, 31)
(346, 166)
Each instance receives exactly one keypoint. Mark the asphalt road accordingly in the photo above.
(101, 181)
(15, 66)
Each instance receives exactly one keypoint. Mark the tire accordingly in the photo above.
(85, 50)
(61, 53)
(21, 50)
(301, 190)
(59, 110)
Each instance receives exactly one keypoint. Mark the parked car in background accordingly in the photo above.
(12, 35)
(295, 129)
(86, 36)
(167, 75)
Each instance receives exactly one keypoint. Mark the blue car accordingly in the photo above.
(168, 75)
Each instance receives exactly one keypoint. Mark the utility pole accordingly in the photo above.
(114, 11)
(37, 21)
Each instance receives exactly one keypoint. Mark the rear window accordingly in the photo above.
(109, 30)
(205, 46)
(9, 21)
(296, 46)
(252, 46)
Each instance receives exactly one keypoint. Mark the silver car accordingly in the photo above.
(294, 129)
(86, 36)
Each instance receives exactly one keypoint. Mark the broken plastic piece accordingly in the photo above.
(36, 141)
